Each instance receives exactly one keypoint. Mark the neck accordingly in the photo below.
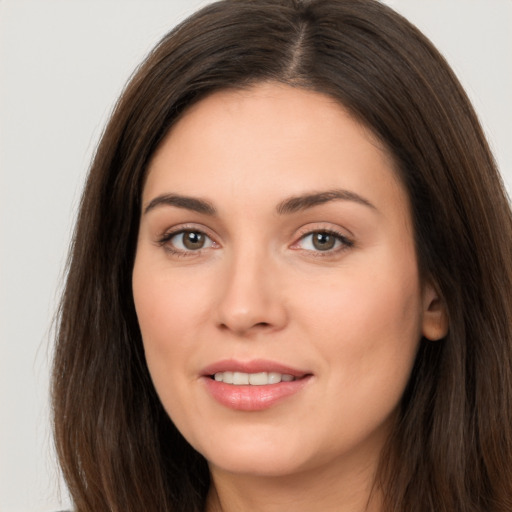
(326, 488)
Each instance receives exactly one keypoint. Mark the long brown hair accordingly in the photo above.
(451, 450)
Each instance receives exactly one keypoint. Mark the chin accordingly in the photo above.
(256, 465)
(260, 454)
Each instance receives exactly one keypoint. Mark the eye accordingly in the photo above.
(323, 241)
(187, 240)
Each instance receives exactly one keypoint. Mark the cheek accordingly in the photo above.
(166, 319)
(173, 307)
(362, 299)
(368, 325)
(170, 305)
(368, 333)
(168, 310)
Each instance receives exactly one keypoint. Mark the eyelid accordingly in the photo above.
(166, 236)
(347, 241)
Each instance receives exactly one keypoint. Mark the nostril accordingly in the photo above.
(243, 329)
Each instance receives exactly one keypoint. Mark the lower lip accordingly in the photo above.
(253, 398)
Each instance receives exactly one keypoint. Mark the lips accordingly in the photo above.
(252, 386)
(253, 366)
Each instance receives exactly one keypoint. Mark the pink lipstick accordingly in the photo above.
(254, 385)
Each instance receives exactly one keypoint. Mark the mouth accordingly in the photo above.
(254, 385)
(252, 379)
(257, 372)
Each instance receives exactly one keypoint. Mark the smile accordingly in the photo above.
(253, 385)
(252, 379)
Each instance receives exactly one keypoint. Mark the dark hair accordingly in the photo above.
(451, 449)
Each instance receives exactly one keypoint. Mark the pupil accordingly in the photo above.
(323, 241)
(193, 240)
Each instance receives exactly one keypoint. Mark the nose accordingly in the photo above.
(251, 298)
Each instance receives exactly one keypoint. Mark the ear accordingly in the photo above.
(435, 316)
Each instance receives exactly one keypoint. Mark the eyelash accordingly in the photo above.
(166, 238)
(344, 242)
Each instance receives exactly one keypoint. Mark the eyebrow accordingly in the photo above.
(288, 206)
(188, 203)
(305, 201)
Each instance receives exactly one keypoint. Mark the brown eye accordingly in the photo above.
(193, 240)
(323, 241)
(187, 241)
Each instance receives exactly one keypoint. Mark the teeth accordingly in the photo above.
(274, 377)
(258, 379)
(240, 378)
(254, 379)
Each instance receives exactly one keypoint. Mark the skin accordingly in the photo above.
(351, 316)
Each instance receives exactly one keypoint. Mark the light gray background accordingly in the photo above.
(62, 65)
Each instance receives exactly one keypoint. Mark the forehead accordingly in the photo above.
(269, 140)
(276, 112)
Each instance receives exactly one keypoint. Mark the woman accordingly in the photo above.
(290, 281)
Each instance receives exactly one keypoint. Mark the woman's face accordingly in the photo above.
(276, 283)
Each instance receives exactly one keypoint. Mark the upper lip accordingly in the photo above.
(253, 366)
